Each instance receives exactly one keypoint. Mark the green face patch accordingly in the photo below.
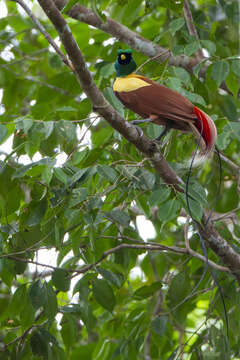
(127, 51)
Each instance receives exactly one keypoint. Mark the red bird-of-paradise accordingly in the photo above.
(159, 104)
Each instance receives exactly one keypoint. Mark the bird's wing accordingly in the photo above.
(161, 101)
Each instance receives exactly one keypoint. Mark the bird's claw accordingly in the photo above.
(139, 130)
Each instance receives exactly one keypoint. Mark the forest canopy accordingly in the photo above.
(79, 183)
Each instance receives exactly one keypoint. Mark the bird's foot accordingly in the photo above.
(139, 130)
(163, 133)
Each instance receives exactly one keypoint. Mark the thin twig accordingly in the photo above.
(229, 161)
(44, 122)
(44, 32)
(15, 258)
(81, 139)
(191, 27)
(199, 256)
(22, 337)
(153, 58)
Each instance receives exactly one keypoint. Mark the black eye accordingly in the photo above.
(124, 58)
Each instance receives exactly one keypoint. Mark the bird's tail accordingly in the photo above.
(206, 132)
(207, 129)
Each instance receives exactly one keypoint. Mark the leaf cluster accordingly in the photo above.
(71, 184)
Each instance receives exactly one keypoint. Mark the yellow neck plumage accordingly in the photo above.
(129, 83)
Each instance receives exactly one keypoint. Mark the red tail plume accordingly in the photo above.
(207, 128)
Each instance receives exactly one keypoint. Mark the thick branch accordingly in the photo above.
(100, 105)
(221, 248)
(129, 37)
(132, 39)
(199, 256)
(144, 144)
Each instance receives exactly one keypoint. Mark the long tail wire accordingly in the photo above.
(205, 226)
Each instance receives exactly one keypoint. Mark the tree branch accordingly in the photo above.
(100, 105)
(129, 37)
(44, 32)
(133, 39)
(197, 255)
(191, 28)
(143, 247)
(221, 248)
(143, 143)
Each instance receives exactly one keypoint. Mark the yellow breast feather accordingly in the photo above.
(129, 83)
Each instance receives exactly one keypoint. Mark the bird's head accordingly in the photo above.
(125, 64)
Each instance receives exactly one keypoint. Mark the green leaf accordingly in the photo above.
(179, 288)
(147, 290)
(235, 126)
(182, 74)
(174, 83)
(67, 109)
(178, 50)
(27, 124)
(104, 294)
(39, 344)
(113, 100)
(69, 5)
(195, 206)
(236, 67)
(3, 133)
(119, 216)
(102, 350)
(80, 176)
(209, 45)
(36, 212)
(159, 196)
(22, 170)
(220, 70)
(69, 330)
(168, 210)
(113, 278)
(232, 83)
(173, 355)
(27, 315)
(176, 25)
(192, 48)
(223, 140)
(61, 175)
(48, 128)
(37, 294)
(197, 192)
(197, 68)
(147, 179)
(107, 172)
(94, 6)
(61, 279)
(229, 108)
(18, 300)
(159, 324)
(194, 98)
(50, 306)
(47, 174)
(78, 196)
(107, 70)
(83, 352)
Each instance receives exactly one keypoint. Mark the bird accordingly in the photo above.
(161, 105)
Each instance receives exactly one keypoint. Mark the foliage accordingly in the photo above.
(93, 304)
